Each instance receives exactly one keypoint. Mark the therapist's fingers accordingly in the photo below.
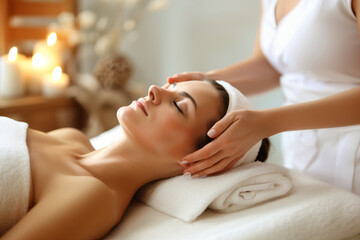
(166, 85)
(220, 126)
(205, 152)
(186, 76)
(179, 78)
(217, 164)
(198, 166)
(214, 169)
(220, 143)
(227, 168)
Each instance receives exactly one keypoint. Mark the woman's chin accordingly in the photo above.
(119, 114)
(125, 115)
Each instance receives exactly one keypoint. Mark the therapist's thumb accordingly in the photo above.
(219, 127)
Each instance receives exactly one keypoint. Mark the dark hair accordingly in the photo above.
(265, 144)
(264, 150)
(225, 99)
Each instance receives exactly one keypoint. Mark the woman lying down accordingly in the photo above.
(77, 192)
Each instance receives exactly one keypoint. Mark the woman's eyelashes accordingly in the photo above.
(178, 108)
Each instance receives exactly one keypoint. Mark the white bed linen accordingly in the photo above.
(314, 210)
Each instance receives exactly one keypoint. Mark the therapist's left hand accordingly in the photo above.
(234, 135)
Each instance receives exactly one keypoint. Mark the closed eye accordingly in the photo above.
(178, 108)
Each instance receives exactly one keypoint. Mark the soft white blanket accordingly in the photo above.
(242, 187)
(14, 172)
(313, 211)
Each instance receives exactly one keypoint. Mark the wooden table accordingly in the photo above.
(44, 114)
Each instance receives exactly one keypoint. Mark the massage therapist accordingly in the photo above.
(311, 49)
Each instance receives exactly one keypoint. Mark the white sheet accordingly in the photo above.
(314, 210)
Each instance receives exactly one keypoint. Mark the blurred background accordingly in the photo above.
(111, 51)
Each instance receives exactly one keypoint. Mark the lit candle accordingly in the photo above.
(27, 71)
(54, 84)
(11, 82)
(36, 69)
(51, 51)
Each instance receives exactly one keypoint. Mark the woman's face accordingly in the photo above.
(172, 120)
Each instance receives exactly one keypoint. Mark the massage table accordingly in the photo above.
(311, 210)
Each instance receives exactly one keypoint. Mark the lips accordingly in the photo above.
(142, 105)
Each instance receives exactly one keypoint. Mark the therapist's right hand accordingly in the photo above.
(234, 135)
(187, 76)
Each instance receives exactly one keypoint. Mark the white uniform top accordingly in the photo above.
(316, 48)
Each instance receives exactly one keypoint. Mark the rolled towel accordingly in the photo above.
(240, 188)
(14, 173)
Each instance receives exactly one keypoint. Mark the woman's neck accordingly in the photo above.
(127, 164)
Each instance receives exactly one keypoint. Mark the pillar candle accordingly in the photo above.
(11, 81)
(54, 84)
(51, 50)
(37, 68)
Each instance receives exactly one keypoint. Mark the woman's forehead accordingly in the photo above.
(195, 87)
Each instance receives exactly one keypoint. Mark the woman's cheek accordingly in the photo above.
(172, 134)
(175, 135)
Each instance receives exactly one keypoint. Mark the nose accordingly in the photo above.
(155, 94)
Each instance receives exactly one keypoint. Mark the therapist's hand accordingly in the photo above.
(186, 76)
(234, 135)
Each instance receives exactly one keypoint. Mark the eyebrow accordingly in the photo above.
(187, 95)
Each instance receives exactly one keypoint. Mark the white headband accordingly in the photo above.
(238, 101)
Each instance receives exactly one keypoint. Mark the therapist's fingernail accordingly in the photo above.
(187, 174)
(211, 133)
(195, 176)
(183, 162)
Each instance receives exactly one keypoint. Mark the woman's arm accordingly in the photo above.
(337, 110)
(75, 208)
(252, 76)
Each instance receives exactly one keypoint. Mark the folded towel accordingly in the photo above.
(240, 188)
(14, 172)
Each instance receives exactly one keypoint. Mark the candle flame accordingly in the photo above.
(56, 73)
(52, 38)
(13, 54)
(38, 60)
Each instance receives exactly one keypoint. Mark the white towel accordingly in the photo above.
(240, 188)
(14, 172)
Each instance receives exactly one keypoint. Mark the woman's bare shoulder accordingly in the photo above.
(87, 196)
(68, 133)
(83, 187)
(71, 135)
(73, 206)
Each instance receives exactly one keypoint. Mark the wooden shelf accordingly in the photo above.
(44, 114)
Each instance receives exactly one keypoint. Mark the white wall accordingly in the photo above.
(193, 35)
(198, 35)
